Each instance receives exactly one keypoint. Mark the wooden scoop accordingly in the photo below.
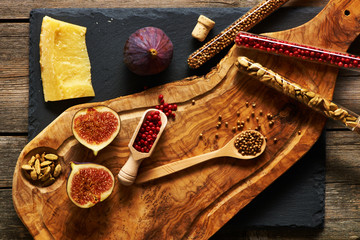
(228, 150)
(129, 171)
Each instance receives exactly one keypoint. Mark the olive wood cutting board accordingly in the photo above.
(195, 202)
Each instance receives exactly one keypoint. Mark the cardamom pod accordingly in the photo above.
(32, 161)
(37, 166)
(45, 163)
(33, 174)
(255, 66)
(51, 156)
(27, 167)
(243, 62)
(57, 170)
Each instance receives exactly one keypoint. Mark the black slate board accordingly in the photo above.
(295, 199)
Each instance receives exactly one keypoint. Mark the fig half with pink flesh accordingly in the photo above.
(89, 184)
(96, 127)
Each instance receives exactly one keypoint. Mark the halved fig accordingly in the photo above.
(89, 183)
(96, 127)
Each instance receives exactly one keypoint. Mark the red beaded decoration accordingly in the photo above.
(305, 52)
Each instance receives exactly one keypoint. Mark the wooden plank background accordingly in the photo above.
(342, 215)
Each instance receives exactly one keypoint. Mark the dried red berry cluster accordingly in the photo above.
(168, 109)
(296, 50)
(148, 132)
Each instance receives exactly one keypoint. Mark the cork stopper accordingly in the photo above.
(202, 28)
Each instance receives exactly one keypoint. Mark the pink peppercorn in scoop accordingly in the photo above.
(148, 132)
(142, 143)
(299, 51)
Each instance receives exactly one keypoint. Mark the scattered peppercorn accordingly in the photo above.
(275, 140)
(193, 102)
(168, 109)
(254, 105)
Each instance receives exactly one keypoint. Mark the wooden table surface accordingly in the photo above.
(342, 203)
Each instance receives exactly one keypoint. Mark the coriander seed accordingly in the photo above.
(249, 143)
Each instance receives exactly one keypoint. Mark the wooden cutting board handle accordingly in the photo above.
(335, 27)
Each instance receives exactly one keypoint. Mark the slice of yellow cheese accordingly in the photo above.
(64, 61)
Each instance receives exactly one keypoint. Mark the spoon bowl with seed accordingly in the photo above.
(252, 138)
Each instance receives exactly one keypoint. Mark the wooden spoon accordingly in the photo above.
(228, 150)
(129, 171)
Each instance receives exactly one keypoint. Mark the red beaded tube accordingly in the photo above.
(299, 51)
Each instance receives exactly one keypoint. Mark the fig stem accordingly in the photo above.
(153, 52)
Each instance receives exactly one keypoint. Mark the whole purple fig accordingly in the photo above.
(148, 51)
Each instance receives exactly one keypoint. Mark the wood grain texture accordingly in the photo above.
(14, 77)
(231, 183)
(342, 216)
